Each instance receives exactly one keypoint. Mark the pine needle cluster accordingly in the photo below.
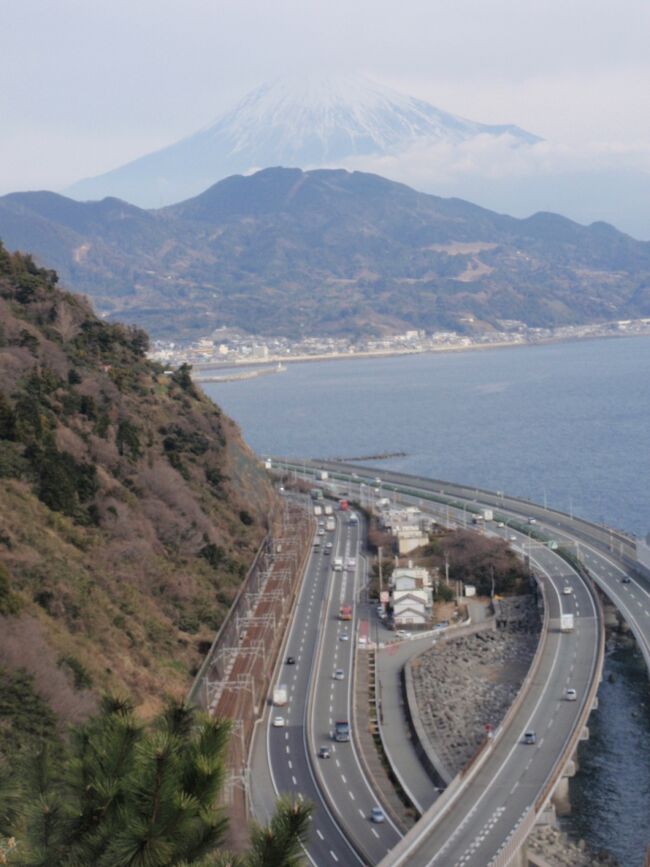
(123, 794)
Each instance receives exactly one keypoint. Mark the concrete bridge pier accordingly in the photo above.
(560, 799)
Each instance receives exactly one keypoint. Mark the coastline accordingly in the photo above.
(392, 353)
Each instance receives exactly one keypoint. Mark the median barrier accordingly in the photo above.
(377, 789)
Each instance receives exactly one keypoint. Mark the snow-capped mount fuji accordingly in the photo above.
(308, 122)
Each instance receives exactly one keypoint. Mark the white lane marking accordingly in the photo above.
(375, 833)
(320, 834)
(294, 781)
(513, 789)
(290, 765)
(343, 778)
(333, 854)
(352, 796)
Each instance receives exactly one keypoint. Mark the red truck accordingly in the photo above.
(345, 612)
(343, 505)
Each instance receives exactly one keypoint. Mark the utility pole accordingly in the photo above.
(379, 553)
(447, 570)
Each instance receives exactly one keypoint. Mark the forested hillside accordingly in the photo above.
(129, 512)
(287, 252)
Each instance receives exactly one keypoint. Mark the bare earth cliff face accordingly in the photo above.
(129, 510)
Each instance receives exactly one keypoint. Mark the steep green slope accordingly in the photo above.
(129, 509)
(329, 252)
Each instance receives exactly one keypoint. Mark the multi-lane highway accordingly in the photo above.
(320, 643)
(475, 821)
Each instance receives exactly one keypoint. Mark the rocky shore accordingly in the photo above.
(465, 684)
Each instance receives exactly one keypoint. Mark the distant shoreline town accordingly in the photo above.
(213, 358)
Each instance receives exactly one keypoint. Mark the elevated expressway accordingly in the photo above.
(484, 816)
(609, 555)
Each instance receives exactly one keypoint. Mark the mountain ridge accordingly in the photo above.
(292, 253)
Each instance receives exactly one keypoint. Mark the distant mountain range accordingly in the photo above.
(308, 122)
(328, 252)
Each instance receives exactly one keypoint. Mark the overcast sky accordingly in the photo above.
(90, 84)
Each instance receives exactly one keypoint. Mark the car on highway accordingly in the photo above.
(626, 579)
(352, 562)
(532, 520)
(279, 722)
(500, 524)
(530, 737)
(339, 674)
(344, 636)
(401, 633)
(324, 753)
(567, 590)
(570, 694)
(377, 815)
(512, 538)
(291, 660)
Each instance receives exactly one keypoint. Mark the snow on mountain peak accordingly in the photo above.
(315, 120)
(307, 121)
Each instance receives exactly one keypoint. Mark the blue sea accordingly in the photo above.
(565, 424)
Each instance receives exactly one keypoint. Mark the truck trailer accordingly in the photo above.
(566, 622)
(341, 731)
(280, 695)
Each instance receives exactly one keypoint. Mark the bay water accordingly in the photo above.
(566, 424)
